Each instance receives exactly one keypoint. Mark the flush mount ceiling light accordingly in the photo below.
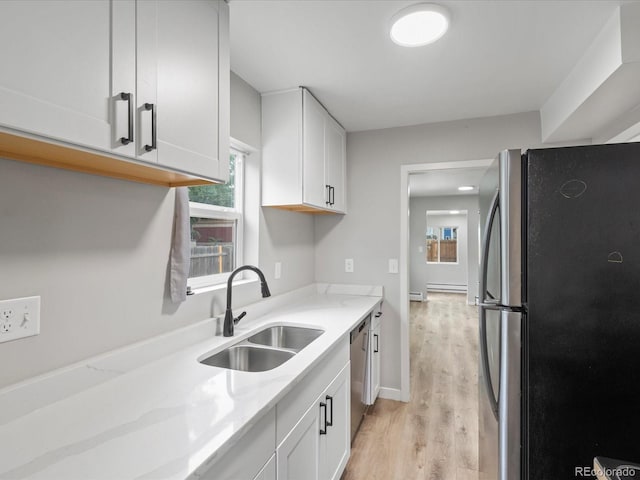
(465, 188)
(419, 24)
(454, 212)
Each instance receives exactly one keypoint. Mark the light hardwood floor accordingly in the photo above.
(435, 435)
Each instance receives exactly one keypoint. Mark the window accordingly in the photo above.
(216, 227)
(442, 244)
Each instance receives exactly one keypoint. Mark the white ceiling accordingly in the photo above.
(499, 57)
(437, 183)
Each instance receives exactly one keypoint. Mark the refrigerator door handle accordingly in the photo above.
(485, 252)
(484, 363)
(510, 438)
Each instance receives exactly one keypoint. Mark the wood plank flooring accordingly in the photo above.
(435, 435)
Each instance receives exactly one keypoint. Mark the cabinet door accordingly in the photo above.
(335, 140)
(183, 76)
(55, 74)
(269, 470)
(335, 446)
(314, 189)
(298, 453)
(375, 362)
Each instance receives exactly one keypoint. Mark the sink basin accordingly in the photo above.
(292, 338)
(248, 359)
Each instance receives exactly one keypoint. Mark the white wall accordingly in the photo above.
(96, 250)
(370, 232)
(465, 272)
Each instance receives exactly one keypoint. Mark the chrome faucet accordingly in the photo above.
(229, 321)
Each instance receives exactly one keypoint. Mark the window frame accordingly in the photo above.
(203, 210)
(440, 234)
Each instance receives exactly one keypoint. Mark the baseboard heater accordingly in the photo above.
(446, 287)
(416, 297)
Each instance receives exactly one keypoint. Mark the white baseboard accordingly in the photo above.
(390, 394)
(445, 288)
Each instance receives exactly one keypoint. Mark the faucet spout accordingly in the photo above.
(229, 320)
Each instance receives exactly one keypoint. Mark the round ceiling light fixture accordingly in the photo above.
(419, 24)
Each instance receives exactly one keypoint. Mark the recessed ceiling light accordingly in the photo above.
(454, 212)
(419, 24)
(465, 188)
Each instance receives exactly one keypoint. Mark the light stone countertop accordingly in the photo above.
(169, 417)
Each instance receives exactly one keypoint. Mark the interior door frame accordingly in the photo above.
(405, 171)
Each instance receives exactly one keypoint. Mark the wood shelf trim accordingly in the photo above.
(305, 209)
(32, 150)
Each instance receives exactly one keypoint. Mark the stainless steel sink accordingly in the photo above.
(248, 358)
(291, 338)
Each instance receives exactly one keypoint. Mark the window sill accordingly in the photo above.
(222, 286)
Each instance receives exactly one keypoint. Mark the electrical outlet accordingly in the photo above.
(19, 318)
(278, 270)
(348, 265)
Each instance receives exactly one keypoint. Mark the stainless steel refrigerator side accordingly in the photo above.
(510, 395)
(511, 227)
(509, 399)
(488, 443)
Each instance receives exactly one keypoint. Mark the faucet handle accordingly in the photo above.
(239, 317)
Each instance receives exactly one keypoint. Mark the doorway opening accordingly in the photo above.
(440, 182)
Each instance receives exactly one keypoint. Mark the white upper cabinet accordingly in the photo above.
(313, 151)
(54, 74)
(144, 80)
(335, 166)
(183, 122)
(304, 154)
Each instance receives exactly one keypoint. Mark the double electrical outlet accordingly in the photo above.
(19, 318)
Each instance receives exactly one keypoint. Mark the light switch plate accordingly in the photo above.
(393, 265)
(278, 271)
(19, 318)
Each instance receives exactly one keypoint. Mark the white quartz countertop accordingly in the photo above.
(168, 418)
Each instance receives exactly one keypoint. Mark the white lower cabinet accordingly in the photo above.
(298, 455)
(374, 348)
(335, 446)
(305, 437)
(318, 447)
(269, 470)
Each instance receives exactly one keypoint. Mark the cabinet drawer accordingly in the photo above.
(248, 456)
(292, 407)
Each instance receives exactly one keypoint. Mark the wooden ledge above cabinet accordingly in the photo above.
(304, 209)
(58, 155)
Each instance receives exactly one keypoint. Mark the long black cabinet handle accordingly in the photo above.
(332, 195)
(129, 99)
(377, 349)
(329, 423)
(323, 406)
(154, 136)
(328, 189)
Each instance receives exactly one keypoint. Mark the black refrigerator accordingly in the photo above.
(559, 312)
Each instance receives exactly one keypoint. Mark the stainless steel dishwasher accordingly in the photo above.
(359, 339)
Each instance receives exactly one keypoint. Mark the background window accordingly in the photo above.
(442, 244)
(216, 227)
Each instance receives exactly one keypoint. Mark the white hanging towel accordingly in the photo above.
(180, 247)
